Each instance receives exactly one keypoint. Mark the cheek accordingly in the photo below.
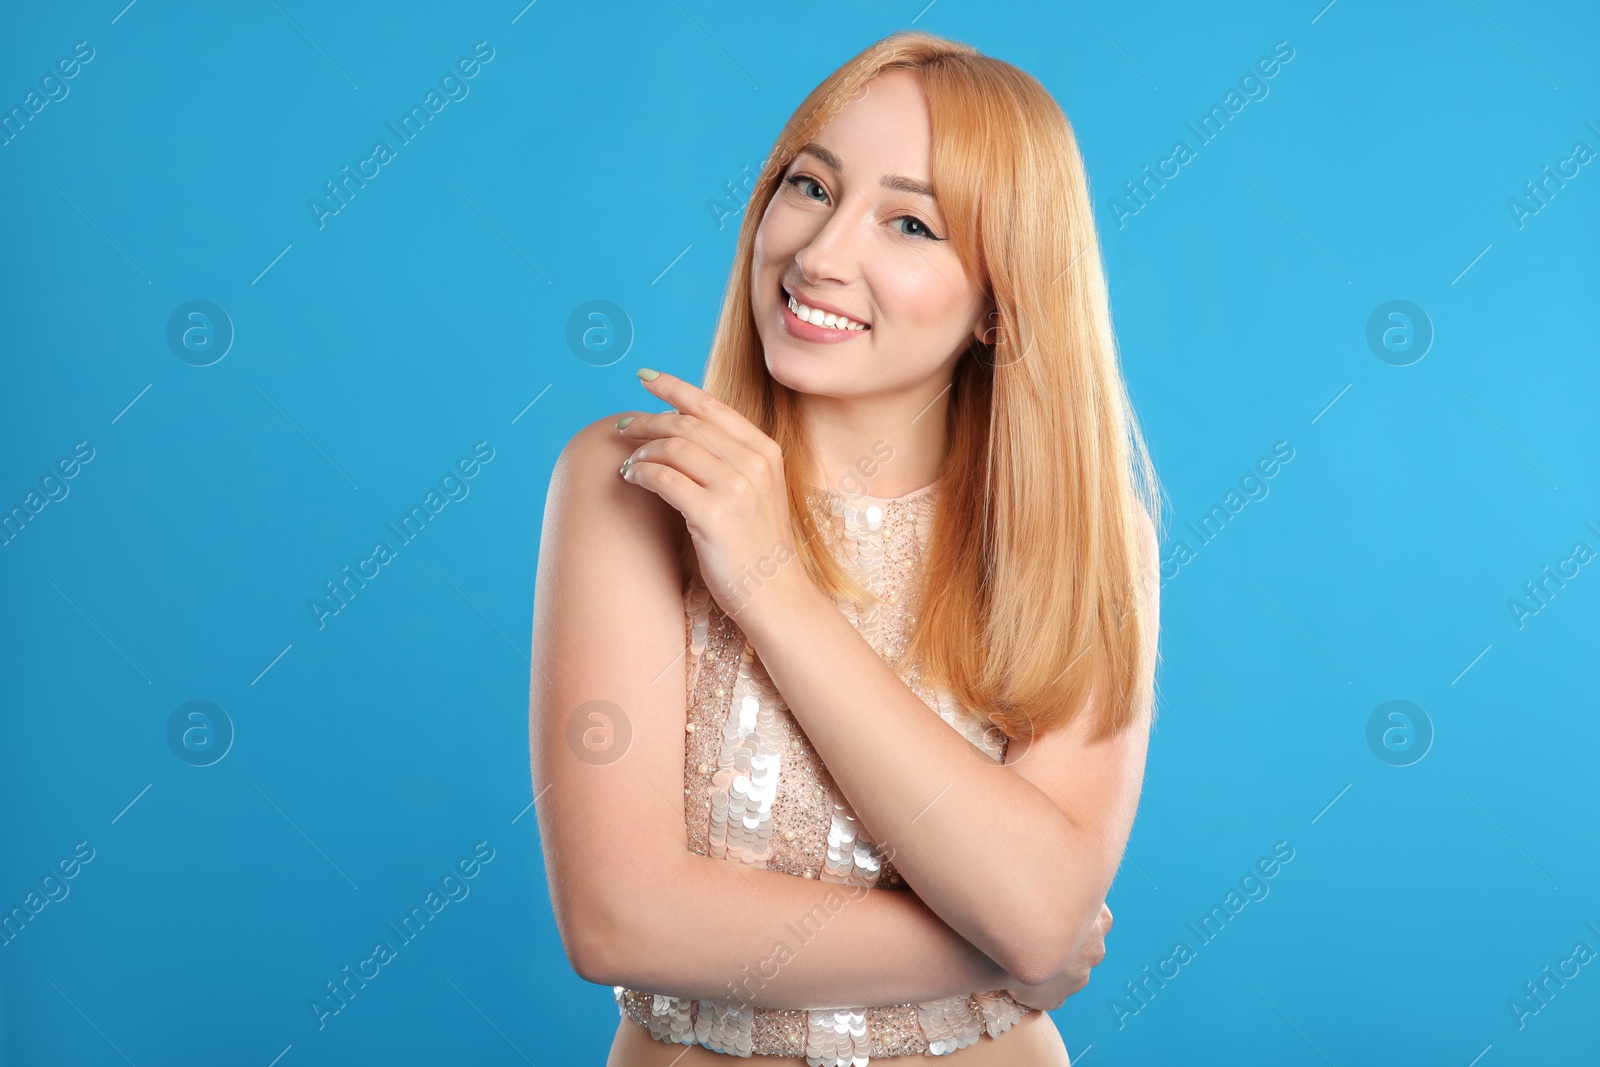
(926, 304)
(781, 234)
(759, 249)
(766, 259)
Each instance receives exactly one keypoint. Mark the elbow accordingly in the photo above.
(1035, 965)
(590, 955)
(1041, 956)
(591, 939)
(1040, 950)
(613, 925)
(1029, 951)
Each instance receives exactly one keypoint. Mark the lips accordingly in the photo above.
(786, 293)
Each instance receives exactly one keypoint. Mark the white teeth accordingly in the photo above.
(818, 317)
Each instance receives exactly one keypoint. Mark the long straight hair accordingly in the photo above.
(1036, 602)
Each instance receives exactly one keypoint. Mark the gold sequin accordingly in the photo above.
(756, 794)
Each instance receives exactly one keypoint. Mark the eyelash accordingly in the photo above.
(794, 180)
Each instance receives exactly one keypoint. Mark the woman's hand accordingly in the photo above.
(1052, 994)
(726, 478)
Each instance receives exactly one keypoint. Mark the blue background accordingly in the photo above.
(431, 312)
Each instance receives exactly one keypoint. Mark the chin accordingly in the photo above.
(789, 368)
(802, 371)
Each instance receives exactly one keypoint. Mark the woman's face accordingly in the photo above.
(869, 246)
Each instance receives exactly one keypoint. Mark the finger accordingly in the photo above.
(746, 463)
(692, 400)
(644, 427)
(682, 492)
(687, 458)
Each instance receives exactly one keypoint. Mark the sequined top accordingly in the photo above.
(756, 793)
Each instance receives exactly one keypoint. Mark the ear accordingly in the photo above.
(987, 326)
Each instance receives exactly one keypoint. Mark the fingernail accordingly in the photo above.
(622, 424)
(649, 375)
(625, 465)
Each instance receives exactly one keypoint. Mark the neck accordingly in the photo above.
(882, 446)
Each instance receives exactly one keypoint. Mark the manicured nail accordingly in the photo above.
(622, 424)
(625, 465)
(649, 375)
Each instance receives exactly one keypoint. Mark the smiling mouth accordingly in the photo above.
(793, 304)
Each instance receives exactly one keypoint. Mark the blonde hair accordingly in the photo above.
(1038, 537)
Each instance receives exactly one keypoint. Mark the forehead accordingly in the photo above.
(884, 129)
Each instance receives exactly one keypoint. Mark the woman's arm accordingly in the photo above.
(712, 930)
(1016, 858)
(634, 906)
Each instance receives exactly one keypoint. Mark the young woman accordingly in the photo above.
(843, 687)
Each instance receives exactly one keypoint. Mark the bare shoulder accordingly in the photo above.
(586, 482)
(1149, 539)
(1148, 583)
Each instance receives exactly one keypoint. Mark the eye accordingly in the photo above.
(925, 233)
(797, 181)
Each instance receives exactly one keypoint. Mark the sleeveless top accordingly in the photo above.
(756, 793)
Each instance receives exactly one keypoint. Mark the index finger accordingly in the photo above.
(690, 399)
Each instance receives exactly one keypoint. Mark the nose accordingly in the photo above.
(831, 254)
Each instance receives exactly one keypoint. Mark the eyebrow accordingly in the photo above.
(895, 182)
